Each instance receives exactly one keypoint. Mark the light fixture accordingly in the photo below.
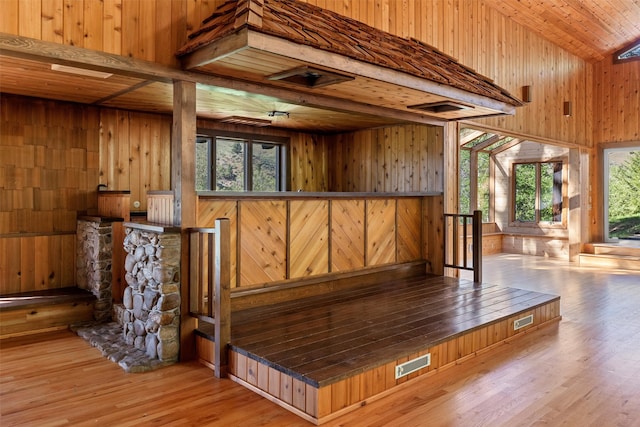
(250, 121)
(526, 93)
(275, 113)
(566, 108)
(80, 71)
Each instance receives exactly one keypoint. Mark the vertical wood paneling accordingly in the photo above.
(134, 153)
(308, 238)
(397, 158)
(263, 239)
(347, 234)
(52, 21)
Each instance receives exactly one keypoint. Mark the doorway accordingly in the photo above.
(622, 195)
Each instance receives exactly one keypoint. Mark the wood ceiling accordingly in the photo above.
(590, 29)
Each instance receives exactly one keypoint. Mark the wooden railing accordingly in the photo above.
(452, 251)
(210, 273)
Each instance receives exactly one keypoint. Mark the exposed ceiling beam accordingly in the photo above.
(42, 51)
(473, 135)
(506, 146)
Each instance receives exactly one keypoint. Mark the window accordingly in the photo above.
(538, 189)
(239, 162)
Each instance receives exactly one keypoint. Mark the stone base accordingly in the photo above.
(118, 314)
(108, 338)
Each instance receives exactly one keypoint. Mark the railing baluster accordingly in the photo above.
(210, 269)
(476, 245)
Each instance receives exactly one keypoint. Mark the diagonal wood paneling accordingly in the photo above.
(208, 212)
(347, 234)
(263, 241)
(381, 231)
(309, 238)
(409, 229)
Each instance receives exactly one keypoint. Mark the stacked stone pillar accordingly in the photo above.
(151, 318)
(94, 263)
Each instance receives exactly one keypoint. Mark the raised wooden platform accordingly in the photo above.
(322, 356)
(39, 311)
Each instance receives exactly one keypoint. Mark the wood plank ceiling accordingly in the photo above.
(590, 29)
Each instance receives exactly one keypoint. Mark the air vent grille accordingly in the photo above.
(418, 363)
(310, 77)
(440, 107)
(521, 323)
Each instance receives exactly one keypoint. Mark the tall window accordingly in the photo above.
(538, 192)
(239, 162)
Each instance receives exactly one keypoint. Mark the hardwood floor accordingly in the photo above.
(584, 371)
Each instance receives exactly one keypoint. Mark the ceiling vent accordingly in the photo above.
(239, 120)
(310, 77)
(440, 107)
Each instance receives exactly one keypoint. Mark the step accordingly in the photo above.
(611, 249)
(610, 261)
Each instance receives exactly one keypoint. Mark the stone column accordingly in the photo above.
(94, 247)
(151, 320)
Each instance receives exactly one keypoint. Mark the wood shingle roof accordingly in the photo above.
(322, 29)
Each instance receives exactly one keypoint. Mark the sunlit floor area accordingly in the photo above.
(582, 371)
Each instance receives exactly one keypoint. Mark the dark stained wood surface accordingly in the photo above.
(324, 339)
(44, 297)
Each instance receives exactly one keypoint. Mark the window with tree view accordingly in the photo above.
(229, 162)
(538, 192)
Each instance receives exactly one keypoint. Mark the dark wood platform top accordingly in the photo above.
(48, 296)
(324, 339)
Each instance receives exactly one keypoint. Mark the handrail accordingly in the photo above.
(476, 239)
(210, 277)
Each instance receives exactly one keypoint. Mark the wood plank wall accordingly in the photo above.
(489, 42)
(135, 153)
(49, 159)
(147, 29)
(401, 158)
(273, 240)
(616, 110)
(468, 30)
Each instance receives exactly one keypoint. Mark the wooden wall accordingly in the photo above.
(495, 46)
(402, 158)
(53, 155)
(468, 30)
(274, 240)
(135, 153)
(147, 29)
(49, 160)
(616, 109)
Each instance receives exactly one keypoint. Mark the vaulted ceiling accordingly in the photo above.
(590, 29)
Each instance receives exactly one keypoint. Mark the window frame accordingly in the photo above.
(537, 223)
(248, 140)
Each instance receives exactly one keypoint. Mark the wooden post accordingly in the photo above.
(477, 246)
(222, 304)
(451, 153)
(184, 203)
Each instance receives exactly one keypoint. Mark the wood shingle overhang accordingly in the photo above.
(259, 39)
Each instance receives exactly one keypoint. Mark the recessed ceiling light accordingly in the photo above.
(80, 71)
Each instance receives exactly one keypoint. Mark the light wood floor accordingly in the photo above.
(583, 371)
